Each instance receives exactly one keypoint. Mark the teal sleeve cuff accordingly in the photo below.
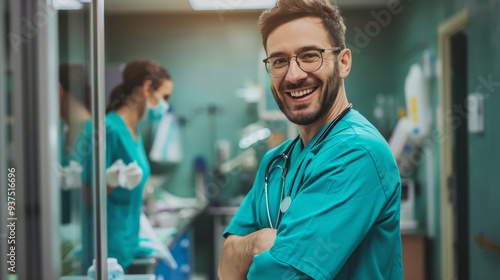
(120, 196)
(266, 267)
(239, 229)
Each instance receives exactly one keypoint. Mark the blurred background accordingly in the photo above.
(425, 73)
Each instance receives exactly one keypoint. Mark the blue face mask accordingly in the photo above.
(155, 113)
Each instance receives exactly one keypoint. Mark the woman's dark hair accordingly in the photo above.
(134, 75)
(74, 80)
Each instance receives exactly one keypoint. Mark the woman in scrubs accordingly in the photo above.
(142, 95)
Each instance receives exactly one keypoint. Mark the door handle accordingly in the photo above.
(487, 244)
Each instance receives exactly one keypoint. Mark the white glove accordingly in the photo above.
(113, 172)
(70, 176)
(61, 175)
(125, 176)
(131, 176)
(73, 175)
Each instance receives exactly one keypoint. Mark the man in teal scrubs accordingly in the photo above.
(339, 218)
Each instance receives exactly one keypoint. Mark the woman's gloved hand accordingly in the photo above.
(69, 176)
(113, 172)
(126, 176)
(60, 171)
(132, 176)
(73, 175)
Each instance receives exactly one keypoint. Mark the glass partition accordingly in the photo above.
(75, 140)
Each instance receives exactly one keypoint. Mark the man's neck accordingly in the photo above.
(307, 132)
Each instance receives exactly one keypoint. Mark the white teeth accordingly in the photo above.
(301, 93)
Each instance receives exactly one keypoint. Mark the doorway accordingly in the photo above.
(459, 181)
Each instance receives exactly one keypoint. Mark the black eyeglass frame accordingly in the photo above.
(322, 51)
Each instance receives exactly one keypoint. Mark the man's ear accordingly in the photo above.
(345, 61)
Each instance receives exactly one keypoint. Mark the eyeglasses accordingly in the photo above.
(308, 61)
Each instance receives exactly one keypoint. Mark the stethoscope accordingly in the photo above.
(286, 201)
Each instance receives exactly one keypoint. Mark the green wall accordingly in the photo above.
(484, 151)
(372, 68)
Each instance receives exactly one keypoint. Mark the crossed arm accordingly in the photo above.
(238, 252)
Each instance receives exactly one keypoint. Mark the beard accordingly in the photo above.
(326, 100)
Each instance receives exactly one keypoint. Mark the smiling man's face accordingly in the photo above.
(304, 97)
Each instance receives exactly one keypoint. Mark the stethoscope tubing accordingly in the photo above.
(281, 197)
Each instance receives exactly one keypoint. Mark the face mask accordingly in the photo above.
(155, 113)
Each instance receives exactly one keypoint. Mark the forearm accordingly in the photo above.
(236, 257)
(238, 252)
(109, 189)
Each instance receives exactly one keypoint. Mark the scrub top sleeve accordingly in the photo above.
(339, 201)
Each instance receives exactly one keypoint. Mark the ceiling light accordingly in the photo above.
(200, 5)
(67, 4)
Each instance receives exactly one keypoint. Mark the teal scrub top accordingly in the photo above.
(343, 220)
(124, 205)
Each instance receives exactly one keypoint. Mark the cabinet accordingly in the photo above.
(413, 247)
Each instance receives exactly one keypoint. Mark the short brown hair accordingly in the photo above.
(289, 10)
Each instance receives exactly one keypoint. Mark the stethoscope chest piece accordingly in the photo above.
(285, 203)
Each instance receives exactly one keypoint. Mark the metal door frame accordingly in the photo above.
(99, 194)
